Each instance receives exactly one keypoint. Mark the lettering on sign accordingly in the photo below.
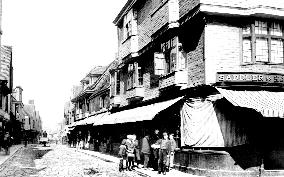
(250, 77)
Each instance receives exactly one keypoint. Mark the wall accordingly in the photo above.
(186, 5)
(245, 3)
(149, 82)
(223, 53)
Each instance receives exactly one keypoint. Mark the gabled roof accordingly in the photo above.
(124, 11)
(96, 71)
(103, 82)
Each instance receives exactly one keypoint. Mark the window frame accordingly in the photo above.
(134, 76)
(252, 37)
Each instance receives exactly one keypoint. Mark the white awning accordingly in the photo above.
(269, 104)
(140, 113)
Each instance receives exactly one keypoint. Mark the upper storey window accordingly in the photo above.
(263, 42)
(171, 58)
(129, 25)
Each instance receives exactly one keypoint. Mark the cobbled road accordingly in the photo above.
(58, 161)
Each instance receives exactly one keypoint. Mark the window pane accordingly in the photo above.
(276, 51)
(246, 30)
(173, 59)
(260, 27)
(247, 51)
(261, 50)
(276, 29)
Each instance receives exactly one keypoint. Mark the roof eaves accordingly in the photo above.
(124, 10)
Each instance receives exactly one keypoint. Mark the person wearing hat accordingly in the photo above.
(164, 151)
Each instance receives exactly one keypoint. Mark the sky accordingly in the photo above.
(55, 44)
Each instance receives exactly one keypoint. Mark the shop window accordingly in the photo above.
(263, 43)
(134, 76)
(171, 58)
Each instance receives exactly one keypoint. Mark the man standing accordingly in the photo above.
(146, 151)
(155, 151)
(164, 152)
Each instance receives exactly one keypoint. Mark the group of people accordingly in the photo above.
(157, 152)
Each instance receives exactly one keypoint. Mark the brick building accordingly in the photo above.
(211, 72)
(226, 59)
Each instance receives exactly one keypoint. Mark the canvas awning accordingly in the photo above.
(269, 104)
(140, 113)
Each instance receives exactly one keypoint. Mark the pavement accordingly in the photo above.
(13, 149)
(141, 171)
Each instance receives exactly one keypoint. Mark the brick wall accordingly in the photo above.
(124, 48)
(160, 17)
(245, 3)
(196, 64)
(144, 24)
(223, 53)
(186, 5)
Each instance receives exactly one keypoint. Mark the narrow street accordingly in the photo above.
(58, 161)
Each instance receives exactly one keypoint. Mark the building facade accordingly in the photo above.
(211, 72)
(33, 122)
(220, 55)
(6, 81)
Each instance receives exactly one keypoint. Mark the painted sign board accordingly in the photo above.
(250, 77)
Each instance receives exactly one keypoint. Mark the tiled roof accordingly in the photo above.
(98, 70)
(104, 81)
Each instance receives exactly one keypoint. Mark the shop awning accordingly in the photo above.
(269, 104)
(103, 119)
(140, 113)
(95, 118)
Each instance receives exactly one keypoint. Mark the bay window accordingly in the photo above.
(171, 58)
(263, 43)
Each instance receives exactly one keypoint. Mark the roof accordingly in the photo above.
(124, 10)
(97, 70)
(104, 81)
(29, 110)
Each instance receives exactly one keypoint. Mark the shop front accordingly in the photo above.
(236, 130)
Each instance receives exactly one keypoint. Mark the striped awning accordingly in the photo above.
(269, 104)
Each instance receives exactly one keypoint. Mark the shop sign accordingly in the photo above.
(250, 77)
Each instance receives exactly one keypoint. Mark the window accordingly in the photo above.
(134, 76)
(263, 42)
(171, 59)
(1, 101)
(115, 83)
(127, 25)
(117, 86)
(101, 101)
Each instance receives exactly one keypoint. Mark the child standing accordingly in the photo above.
(173, 146)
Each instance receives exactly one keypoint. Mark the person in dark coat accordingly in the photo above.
(7, 143)
(136, 149)
(155, 151)
(146, 151)
(164, 152)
